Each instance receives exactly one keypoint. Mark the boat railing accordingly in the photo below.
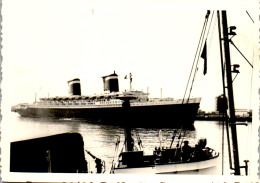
(177, 101)
(151, 102)
(174, 155)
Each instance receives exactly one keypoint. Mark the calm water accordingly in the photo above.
(100, 139)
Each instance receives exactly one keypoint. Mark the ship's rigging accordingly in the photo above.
(228, 107)
(226, 33)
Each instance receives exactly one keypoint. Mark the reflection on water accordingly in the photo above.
(100, 139)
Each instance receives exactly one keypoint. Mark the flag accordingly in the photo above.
(204, 56)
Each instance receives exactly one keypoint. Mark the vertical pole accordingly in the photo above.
(224, 112)
(224, 95)
(230, 94)
(130, 78)
(128, 136)
(48, 153)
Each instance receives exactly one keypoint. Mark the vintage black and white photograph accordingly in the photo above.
(129, 90)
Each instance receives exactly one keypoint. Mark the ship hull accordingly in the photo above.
(171, 115)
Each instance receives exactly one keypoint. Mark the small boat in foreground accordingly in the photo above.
(202, 160)
(182, 159)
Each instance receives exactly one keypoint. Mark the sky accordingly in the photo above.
(46, 43)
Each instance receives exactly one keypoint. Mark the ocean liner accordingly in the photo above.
(107, 107)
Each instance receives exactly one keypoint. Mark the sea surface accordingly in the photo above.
(101, 139)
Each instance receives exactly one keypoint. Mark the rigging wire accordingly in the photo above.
(250, 16)
(198, 48)
(229, 146)
(212, 34)
(210, 24)
(195, 62)
(139, 139)
(251, 81)
(205, 31)
(173, 137)
(209, 44)
(240, 52)
(234, 77)
(251, 64)
(196, 70)
(114, 164)
(115, 153)
(199, 44)
(178, 145)
(223, 149)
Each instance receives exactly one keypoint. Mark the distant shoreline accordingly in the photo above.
(207, 118)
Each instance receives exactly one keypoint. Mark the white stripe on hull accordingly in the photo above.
(201, 167)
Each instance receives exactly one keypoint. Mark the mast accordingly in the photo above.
(130, 78)
(223, 109)
(129, 146)
(232, 120)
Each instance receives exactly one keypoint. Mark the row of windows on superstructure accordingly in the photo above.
(82, 102)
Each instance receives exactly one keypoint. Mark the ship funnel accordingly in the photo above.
(111, 82)
(74, 87)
